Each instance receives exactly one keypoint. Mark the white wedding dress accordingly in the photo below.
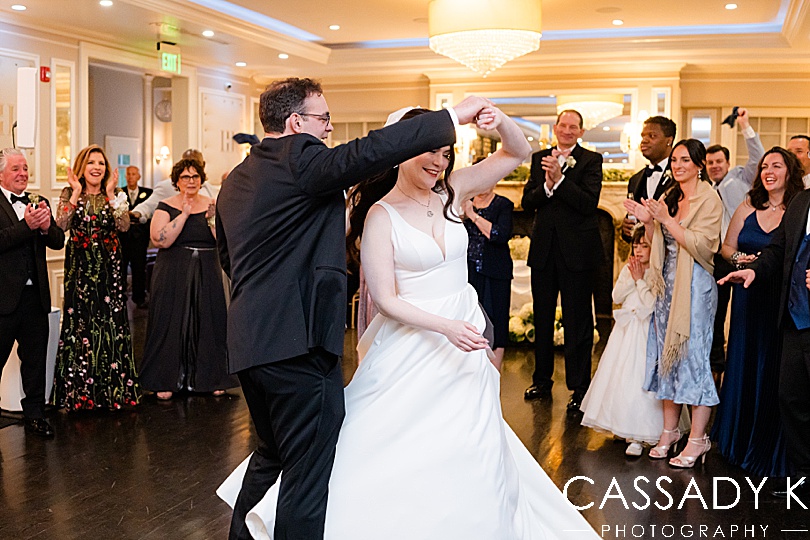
(424, 452)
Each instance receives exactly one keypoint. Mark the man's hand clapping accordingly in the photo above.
(38, 217)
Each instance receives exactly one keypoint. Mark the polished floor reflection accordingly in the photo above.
(151, 474)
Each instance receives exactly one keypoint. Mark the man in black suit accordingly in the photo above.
(787, 257)
(564, 188)
(657, 138)
(26, 228)
(281, 236)
(135, 241)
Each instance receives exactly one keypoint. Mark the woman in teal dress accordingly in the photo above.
(95, 365)
(748, 427)
(683, 229)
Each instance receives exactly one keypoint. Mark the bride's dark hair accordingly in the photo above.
(363, 196)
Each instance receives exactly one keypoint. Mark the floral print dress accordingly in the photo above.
(95, 363)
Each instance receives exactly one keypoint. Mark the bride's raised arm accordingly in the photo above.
(471, 181)
(377, 258)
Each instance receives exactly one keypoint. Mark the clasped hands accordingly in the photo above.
(478, 110)
(38, 217)
(648, 210)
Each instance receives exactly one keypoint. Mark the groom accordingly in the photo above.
(281, 236)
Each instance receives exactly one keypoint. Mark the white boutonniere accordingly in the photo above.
(667, 175)
(571, 162)
(142, 195)
(34, 199)
(120, 204)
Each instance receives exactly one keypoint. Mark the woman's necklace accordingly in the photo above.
(429, 211)
(774, 207)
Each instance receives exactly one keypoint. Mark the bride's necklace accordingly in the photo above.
(429, 211)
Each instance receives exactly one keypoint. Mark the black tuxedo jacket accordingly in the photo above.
(638, 186)
(281, 235)
(143, 194)
(14, 234)
(570, 213)
(137, 230)
(776, 259)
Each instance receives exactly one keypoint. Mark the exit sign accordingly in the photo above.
(169, 58)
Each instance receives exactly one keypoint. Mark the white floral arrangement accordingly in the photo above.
(120, 204)
(519, 248)
(521, 326)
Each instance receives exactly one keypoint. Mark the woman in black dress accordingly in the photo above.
(185, 335)
(489, 263)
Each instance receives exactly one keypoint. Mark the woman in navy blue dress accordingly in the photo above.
(747, 428)
(489, 263)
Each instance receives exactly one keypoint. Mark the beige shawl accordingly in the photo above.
(702, 235)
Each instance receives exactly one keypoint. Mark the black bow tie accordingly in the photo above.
(19, 198)
(648, 171)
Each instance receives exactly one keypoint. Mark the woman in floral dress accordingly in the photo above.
(95, 364)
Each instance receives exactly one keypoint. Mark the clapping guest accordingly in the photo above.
(489, 263)
(95, 364)
(135, 241)
(684, 230)
(748, 426)
(26, 228)
(186, 345)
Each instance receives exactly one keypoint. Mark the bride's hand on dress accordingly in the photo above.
(464, 335)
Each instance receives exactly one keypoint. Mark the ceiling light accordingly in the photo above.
(594, 109)
(18, 7)
(470, 33)
(241, 64)
(283, 56)
(731, 6)
(530, 139)
(618, 22)
(605, 128)
(208, 33)
(334, 27)
(105, 3)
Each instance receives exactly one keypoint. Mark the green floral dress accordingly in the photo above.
(95, 363)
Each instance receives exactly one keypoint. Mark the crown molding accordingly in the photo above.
(190, 12)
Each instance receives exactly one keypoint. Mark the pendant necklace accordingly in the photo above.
(429, 211)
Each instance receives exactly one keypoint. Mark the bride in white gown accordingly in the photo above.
(424, 452)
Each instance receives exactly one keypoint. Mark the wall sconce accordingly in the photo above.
(164, 154)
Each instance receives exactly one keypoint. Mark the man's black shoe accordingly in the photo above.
(39, 427)
(537, 391)
(802, 491)
(575, 402)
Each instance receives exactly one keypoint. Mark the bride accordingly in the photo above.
(424, 452)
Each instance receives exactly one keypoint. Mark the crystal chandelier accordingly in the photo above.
(594, 109)
(484, 34)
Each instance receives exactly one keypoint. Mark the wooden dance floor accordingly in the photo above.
(152, 474)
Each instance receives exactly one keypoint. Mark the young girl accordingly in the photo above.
(615, 401)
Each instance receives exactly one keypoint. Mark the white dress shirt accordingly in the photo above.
(564, 154)
(19, 209)
(655, 177)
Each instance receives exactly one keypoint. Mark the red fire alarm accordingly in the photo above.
(44, 74)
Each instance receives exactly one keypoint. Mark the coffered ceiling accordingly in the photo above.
(388, 38)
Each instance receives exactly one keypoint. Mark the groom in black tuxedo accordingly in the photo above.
(26, 229)
(566, 247)
(787, 257)
(281, 235)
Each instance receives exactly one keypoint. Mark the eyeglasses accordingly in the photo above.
(326, 118)
(187, 177)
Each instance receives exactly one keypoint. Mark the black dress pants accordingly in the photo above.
(134, 245)
(576, 292)
(794, 394)
(297, 407)
(28, 326)
(717, 356)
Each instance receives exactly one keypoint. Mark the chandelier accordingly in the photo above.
(484, 34)
(594, 109)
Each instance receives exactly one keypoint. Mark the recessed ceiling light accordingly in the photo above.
(241, 64)
(18, 7)
(618, 22)
(530, 139)
(283, 56)
(208, 33)
(731, 6)
(605, 128)
(334, 27)
(105, 3)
